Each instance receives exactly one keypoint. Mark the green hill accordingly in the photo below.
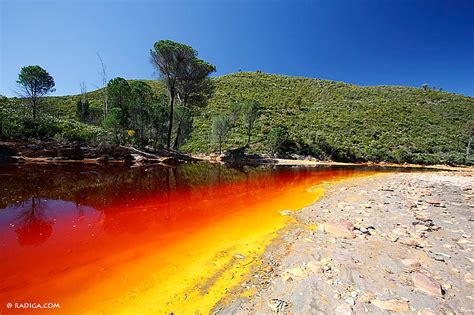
(333, 120)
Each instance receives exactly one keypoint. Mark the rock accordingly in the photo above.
(427, 285)
(411, 262)
(293, 273)
(391, 305)
(343, 229)
(433, 201)
(315, 267)
(423, 218)
(411, 204)
(469, 278)
(278, 306)
(239, 256)
(350, 301)
(343, 309)
(426, 311)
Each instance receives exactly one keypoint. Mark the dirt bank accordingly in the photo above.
(389, 243)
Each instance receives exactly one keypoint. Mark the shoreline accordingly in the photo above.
(53, 152)
(400, 242)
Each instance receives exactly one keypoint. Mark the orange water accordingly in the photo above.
(141, 241)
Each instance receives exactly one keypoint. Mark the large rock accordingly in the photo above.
(342, 229)
(427, 285)
(392, 305)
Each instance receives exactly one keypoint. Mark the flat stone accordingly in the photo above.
(427, 285)
(411, 262)
(392, 305)
(426, 311)
(343, 229)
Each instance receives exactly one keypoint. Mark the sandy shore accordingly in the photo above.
(388, 243)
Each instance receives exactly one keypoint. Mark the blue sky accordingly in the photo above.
(365, 42)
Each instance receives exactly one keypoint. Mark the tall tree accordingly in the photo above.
(250, 112)
(276, 138)
(196, 87)
(119, 94)
(159, 119)
(34, 83)
(221, 126)
(179, 69)
(184, 122)
(141, 100)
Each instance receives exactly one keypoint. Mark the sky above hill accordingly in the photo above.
(364, 42)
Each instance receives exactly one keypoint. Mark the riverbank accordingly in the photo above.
(394, 242)
(259, 160)
(55, 152)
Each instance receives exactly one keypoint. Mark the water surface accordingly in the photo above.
(141, 240)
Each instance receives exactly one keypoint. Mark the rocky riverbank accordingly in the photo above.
(59, 152)
(387, 243)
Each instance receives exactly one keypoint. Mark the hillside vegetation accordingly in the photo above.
(327, 119)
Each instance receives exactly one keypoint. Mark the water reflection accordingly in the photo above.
(33, 226)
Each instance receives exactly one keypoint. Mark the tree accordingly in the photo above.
(34, 83)
(113, 122)
(425, 86)
(119, 96)
(276, 138)
(221, 126)
(235, 112)
(159, 119)
(180, 70)
(141, 100)
(196, 87)
(184, 121)
(250, 112)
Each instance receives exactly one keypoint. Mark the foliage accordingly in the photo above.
(326, 119)
(277, 137)
(221, 126)
(250, 111)
(184, 125)
(16, 123)
(113, 122)
(182, 73)
(35, 82)
(343, 122)
(83, 110)
(141, 100)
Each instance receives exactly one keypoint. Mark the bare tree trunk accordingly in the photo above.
(170, 127)
(104, 85)
(176, 141)
(249, 132)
